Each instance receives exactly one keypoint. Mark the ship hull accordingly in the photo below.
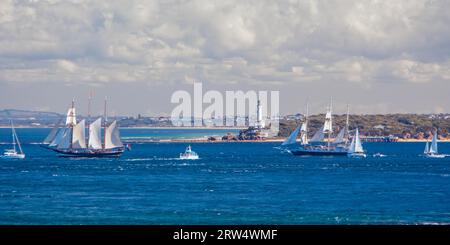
(318, 153)
(117, 152)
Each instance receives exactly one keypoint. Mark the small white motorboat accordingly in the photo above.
(189, 154)
(12, 153)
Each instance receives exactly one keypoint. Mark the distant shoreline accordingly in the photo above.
(146, 127)
(271, 140)
(212, 128)
(205, 140)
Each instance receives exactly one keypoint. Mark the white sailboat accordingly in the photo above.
(356, 149)
(431, 151)
(12, 153)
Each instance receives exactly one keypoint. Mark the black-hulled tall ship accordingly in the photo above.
(71, 140)
(317, 145)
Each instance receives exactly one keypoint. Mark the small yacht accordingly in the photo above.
(189, 154)
(356, 149)
(432, 150)
(12, 153)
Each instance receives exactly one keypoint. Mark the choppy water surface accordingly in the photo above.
(232, 183)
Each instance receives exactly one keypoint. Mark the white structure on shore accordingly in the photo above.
(260, 123)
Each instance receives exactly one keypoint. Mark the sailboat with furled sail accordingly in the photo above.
(317, 145)
(71, 139)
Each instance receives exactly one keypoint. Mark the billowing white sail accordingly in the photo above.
(292, 138)
(66, 139)
(328, 126)
(356, 146)
(79, 137)
(351, 149)
(304, 133)
(51, 136)
(318, 136)
(95, 134)
(112, 137)
(340, 137)
(71, 118)
(427, 148)
(304, 139)
(58, 137)
(434, 147)
(303, 128)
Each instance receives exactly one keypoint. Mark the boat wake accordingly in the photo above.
(379, 155)
(152, 159)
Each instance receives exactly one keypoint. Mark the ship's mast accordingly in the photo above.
(13, 137)
(89, 108)
(329, 131)
(104, 124)
(88, 121)
(16, 139)
(346, 124)
(72, 116)
(306, 122)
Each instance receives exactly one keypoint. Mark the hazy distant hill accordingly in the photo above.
(401, 125)
(28, 118)
(27, 114)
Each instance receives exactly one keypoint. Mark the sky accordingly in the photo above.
(377, 56)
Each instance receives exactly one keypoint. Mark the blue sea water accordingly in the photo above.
(232, 183)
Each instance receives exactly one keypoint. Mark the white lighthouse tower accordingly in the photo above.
(259, 117)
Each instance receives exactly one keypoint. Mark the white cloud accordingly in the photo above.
(415, 71)
(225, 42)
(67, 65)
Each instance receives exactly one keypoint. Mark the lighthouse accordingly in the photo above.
(259, 117)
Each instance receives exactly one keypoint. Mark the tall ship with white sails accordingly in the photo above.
(321, 144)
(71, 140)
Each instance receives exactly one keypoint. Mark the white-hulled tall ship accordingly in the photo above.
(71, 139)
(317, 146)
